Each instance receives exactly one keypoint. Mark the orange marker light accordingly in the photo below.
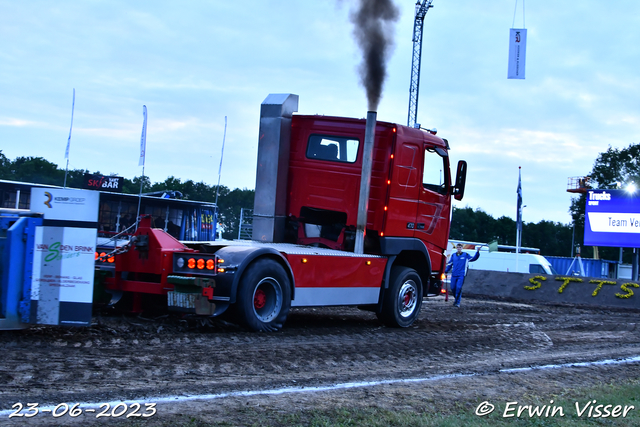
(200, 264)
(96, 255)
(220, 270)
(304, 260)
(368, 262)
(111, 259)
(191, 263)
(210, 264)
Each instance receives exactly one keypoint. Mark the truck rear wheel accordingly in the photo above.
(264, 296)
(403, 299)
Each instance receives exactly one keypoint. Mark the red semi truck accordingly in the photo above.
(313, 244)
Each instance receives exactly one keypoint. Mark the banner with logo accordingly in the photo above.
(62, 281)
(103, 183)
(517, 53)
(64, 256)
(199, 224)
(65, 204)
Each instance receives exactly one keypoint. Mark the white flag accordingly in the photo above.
(517, 53)
(143, 138)
(73, 104)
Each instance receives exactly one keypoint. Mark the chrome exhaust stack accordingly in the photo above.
(269, 211)
(365, 181)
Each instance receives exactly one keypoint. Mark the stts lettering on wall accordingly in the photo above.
(103, 183)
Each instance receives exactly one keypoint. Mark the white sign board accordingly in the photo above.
(517, 53)
(65, 204)
(62, 281)
(64, 256)
(603, 222)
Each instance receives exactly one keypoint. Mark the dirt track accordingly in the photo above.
(135, 358)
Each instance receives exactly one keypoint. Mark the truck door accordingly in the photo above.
(432, 216)
(404, 191)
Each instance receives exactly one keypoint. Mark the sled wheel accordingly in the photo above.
(403, 299)
(264, 296)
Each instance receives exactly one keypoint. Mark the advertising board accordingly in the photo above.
(63, 256)
(612, 218)
(63, 271)
(103, 183)
(65, 204)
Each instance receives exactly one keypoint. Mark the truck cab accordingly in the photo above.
(410, 194)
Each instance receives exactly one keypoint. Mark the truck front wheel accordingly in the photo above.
(264, 296)
(403, 299)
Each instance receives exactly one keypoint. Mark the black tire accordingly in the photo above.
(402, 300)
(264, 296)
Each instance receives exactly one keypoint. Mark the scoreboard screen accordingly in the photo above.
(612, 219)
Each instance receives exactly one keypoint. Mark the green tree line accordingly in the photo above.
(38, 170)
(552, 238)
(467, 224)
(611, 169)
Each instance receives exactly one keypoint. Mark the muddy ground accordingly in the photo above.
(149, 359)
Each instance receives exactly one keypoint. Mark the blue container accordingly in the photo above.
(600, 268)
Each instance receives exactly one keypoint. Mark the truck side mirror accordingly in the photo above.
(461, 179)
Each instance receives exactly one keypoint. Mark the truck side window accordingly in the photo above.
(434, 174)
(408, 166)
(333, 148)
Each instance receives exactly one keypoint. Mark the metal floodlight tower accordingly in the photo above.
(422, 7)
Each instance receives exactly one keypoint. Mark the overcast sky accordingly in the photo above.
(193, 63)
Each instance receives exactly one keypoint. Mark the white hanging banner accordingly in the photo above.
(517, 53)
(143, 137)
(73, 105)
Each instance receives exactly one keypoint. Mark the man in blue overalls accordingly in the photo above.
(458, 266)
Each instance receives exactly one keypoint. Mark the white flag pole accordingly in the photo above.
(519, 217)
(143, 152)
(66, 152)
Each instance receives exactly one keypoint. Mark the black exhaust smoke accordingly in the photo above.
(373, 31)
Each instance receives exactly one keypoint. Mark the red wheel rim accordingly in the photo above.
(259, 299)
(407, 298)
